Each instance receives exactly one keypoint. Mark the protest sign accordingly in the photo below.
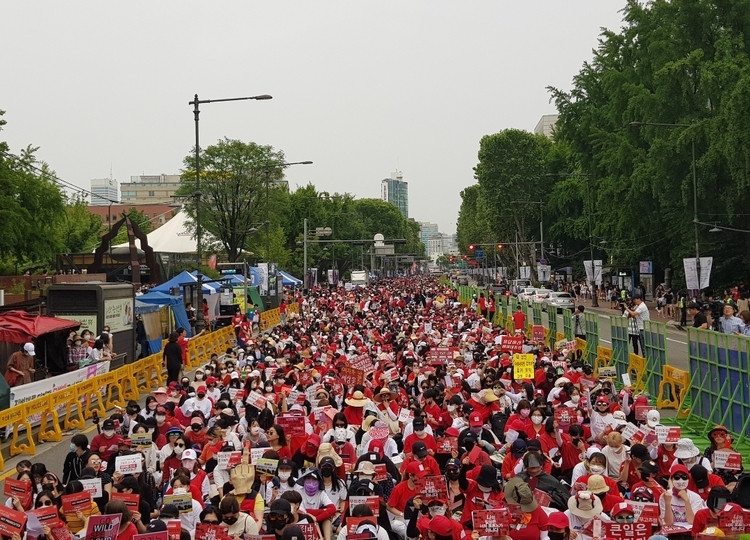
(493, 523)
(381, 473)
(19, 489)
(11, 521)
(104, 527)
(523, 366)
(209, 531)
(256, 400)
(363, 362)
(668, 434)
(405, 415)
(92, 486)
(632, 531)
(440, 356)
(566, 416)
(257, 453)
(351, 376)
(727, 459)
(76, 502)
(174, 526)
(268, 466)
(141, 441)
(228, 460)
(542, 498)
(373, 502)
(432, 487)
(733, 521)
(446, 445)
(644, 512)
(183, 502)
(130, 464)
(641, 411)
(131, 500)
(294, 426)
(512, 344)
(537, 331)
(607, 372)
(47, 515)
(161, 535)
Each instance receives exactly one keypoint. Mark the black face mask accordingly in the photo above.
(326, 472)
(556, 535)
(469, 445)
(645, 476)
(196, 427)
(452, 475)
(276, 523)
(201, 395)
(48, 487)
(230, 521)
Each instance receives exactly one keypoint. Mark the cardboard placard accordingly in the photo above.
(131, 500)
(92, 486)
(363, 362)
(256, 454)
(512, 344)
(405, 415)
(626, 379)
(629, 431)
(641, 411)
(537, 331)
(174, 526)
(206, 531)
(76, 501)
(47, 515)
(309, 530)
(727, 459)
(233, 393)
(446, 445)
(351, 376)
(645, 512)
(229, 459)
(440, 356)
(523, 366)
(294, 426)
(18, 488)
(104, 527)
(607, 372)
(141, 441)
(130, 464)
(256, 400)
(542, 497)
(267, 466)
(11, 521)
(566, 416)
(373, 502)
(634, 531)
(668, 434)
(493, 523)
(61, 532)
(183, 502)
(161, 535)
(381, 472)
(432, 487)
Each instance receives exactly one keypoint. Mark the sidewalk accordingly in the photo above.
(671, 322)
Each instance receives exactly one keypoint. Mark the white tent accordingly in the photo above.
(172, 237)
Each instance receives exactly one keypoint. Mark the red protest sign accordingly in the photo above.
(566, 416)
(512, 344)
(381, 473)
(305, 378)
(18, 488)
(725, 459)
(358, 527)
(634, 531)
(174, 526)
(641, 411)
(440, 356)
(11, 521)
(446, 445)
(432, 487)
(47, 515)
(734, 521)
(161, 535)
(309, 530)
(104, 527)
(256, 400)
(351, 376)
(205, 531)
(363, 362)
(494, 523)
(645, 512)
(538, 332)
(61, 532)
(294, 426)
(76, 502)
(373, 502)
(542, 497)
(131, 500)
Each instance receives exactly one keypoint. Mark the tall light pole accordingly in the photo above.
(199, 322)
(637, 125)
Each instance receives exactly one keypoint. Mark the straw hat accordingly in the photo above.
(585, 505)
(597, 484)
(384, 392)
(326, 450)
(357, 399)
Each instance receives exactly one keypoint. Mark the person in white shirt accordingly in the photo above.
(640, 314)
(197, 403)
(678, 505)
(601, 418)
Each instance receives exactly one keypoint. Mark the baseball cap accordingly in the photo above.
(127, 482)
(619, 508)
(189, 453)
(156, 525)
(476, 420)
(558, 520)
(418, 423)
(419, 449)
(108, 424)
(416, 468)
(169, 511)
(280, 506)
(29, 348)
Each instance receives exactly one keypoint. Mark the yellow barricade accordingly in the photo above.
(128, 383)
(54, 434)
(293, 308)
(583, 346)
(637, 372)
(269, 319)
(9, 419)
(35, 407)
(86, 391)
(673, 388)
(603, 359)
(510, 324)
(111, 383)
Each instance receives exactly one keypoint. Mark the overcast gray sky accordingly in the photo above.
(360, 88)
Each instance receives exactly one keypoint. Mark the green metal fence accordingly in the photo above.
(552, 325)
(525, 308)
(505, 309)
(537, 312)
(655, 352)
(619, 332)
(592, 335)
(568, 324)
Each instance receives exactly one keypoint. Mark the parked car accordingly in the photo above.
(463, 280)
(527, 293)
(518, 285)
(558, 301)
(540, 295)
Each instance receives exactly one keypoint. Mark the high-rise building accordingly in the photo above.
(427, 230)
(104, 191)
(395, 191)
(159, 188)
(546, 124)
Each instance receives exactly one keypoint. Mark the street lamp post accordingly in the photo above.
(199, 321)
(695, 187)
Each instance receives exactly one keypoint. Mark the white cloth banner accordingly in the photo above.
(695, 279)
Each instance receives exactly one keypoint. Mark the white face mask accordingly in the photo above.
(188, 464)
(484, 489)
(254, 430)
(679, 485)
(339, 433)
(199, 376)
(596, 469)
(180, 491)
(160, 418)
(437, 510)
(284, 476)
(108, 432)
(178, 450)
(536, 420)
(575, 399)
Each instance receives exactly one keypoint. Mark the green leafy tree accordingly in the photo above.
(234, 175)
(79, 230)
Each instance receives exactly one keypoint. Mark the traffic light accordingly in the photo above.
(471, 247)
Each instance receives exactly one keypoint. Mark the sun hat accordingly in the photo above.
(365, 467)
(715, 429)
(686, 449)
(357, 399)
(597, 484)
(325, 450)
(487, 476)
(384, 392)
(585, 505)
(517, 491)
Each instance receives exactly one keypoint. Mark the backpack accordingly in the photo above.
(741, 492)
(498, 421)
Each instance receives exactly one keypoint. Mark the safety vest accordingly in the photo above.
(681, 303)
(623, 294)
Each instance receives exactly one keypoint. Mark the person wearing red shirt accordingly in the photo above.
(571, 445)
(420, 434)
(630, 472)
(183, 341)
(106, 443)
(484, 493)
(421, 457)
(485, 404)
(236, 322)
(433, 411)
(702, 482)
(523, 410)
(517, 450)
(519, 320)
(717, 504)
(648, 471)
(518, 492)
(665, 458)
(404, 490)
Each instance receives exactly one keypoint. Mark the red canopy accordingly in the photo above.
(20, 327)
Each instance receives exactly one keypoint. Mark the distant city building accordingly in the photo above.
(104, 191)
(427, 230)
(395, 191)
(546, 124)
(441, 244)
(147, 189)
(158, 214)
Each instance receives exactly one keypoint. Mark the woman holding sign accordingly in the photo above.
(720, 442)
(22, 494)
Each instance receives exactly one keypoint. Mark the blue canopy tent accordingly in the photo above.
(182, 278)
(289, 280)
(151, 301)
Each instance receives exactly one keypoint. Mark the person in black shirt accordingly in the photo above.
(699, 318)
